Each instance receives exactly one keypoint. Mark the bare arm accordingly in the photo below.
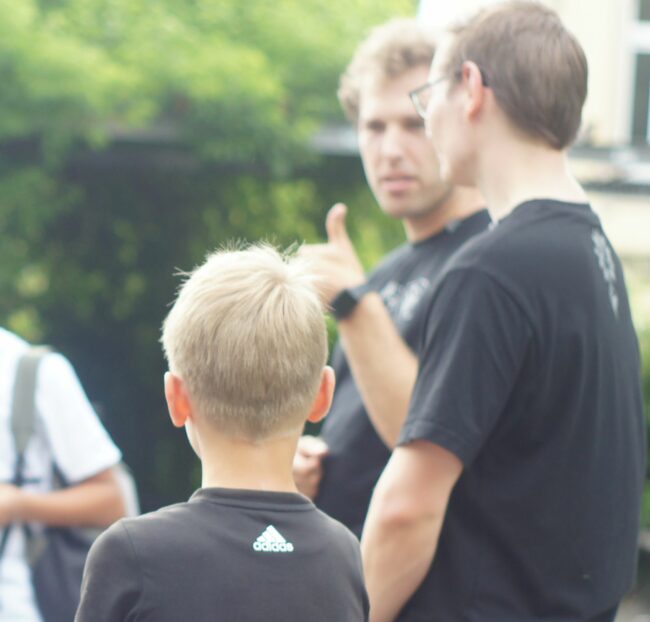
(383, 366)
(95, 502)
(401, 532)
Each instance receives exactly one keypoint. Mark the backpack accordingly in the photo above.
(56, 555)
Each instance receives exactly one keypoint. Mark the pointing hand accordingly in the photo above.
(336, 263)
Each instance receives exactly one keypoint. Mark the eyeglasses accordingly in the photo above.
(422, 95)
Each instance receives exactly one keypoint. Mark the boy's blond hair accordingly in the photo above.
(389, 51)
(247, 335)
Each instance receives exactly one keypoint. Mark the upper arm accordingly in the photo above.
(106, 477)
(79, 443)
(477, 340)
(418, 481)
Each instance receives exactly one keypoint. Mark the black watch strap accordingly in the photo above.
(347, 299)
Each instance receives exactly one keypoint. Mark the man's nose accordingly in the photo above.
(392, 145)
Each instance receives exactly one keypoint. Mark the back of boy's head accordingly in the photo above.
(247, 335)
(534, 65)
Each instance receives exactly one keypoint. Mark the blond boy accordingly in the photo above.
(246, 346)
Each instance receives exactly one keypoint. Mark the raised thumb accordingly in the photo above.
(337, 232)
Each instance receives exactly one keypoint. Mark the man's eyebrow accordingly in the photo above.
(372, 120)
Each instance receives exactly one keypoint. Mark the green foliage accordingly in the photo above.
(134, 137)
(239, 81)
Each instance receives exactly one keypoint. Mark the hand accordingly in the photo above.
(336, 263)
(308, 464)
(10, 504)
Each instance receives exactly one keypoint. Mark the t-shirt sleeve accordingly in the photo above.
(476, 339)
(357, 578)
(112, 582)
(80, 445)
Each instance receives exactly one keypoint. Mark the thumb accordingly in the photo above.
(337, 232)
(312, 446)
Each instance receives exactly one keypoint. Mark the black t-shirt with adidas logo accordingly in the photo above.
(226, 555)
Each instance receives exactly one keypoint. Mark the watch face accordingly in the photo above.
(345, 302)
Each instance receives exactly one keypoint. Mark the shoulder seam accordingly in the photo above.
(137, 562)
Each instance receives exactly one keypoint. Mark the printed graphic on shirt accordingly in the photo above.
(272, 541)
(401, 300)
(606, 263)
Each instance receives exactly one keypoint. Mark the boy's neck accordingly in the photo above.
(236, 463)
(516, 171)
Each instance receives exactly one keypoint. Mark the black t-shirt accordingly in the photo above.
(357, 454)
(530, 374)
(226, 555)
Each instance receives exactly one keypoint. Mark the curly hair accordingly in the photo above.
(389, 51)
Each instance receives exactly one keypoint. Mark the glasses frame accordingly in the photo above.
(416, 94)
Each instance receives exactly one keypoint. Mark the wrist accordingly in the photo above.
(346, 301)
(18, 507)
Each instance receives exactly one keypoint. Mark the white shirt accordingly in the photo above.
(67, 432)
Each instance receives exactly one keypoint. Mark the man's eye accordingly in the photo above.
(415, 125)
(375, 126)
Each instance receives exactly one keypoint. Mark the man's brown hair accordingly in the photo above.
(534, 65)
(389, 51)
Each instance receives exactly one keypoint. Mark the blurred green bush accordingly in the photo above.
(134, 137)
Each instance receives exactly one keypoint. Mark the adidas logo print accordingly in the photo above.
(271, 541)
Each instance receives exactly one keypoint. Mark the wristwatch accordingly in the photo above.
(347, 299)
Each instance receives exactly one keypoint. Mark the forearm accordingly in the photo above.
(96, 502)
(397, 553)
(401, 533)
(383, 366)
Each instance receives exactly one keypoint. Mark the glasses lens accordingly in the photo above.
(423, 98)
(420, 99)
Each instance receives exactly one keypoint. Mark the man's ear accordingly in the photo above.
(475, 90)
(323, 399)
(178, 400)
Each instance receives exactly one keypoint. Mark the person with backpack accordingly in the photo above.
(66, 442)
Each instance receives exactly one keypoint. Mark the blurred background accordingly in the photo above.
(136, 135)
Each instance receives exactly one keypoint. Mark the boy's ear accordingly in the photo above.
(323, 399)
(178, 400)
(474, 88)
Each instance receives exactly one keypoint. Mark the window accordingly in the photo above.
(640, 117)
(644, 10)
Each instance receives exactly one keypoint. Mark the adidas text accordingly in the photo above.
(273, 547)
(272, 541)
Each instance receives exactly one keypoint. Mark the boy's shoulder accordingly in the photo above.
(136, 533)
(245, 536)
(235, 517)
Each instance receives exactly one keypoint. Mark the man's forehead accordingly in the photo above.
(377, 83)
(379, 92)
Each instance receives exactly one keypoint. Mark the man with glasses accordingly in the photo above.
(380, 315)
(514, 492)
